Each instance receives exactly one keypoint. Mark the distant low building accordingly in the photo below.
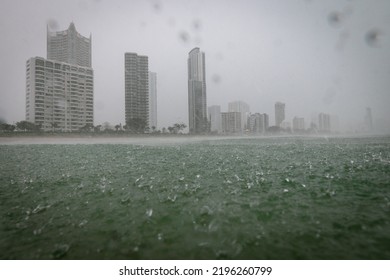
(152, 100)
(243, 109)
(368, 120)
(231, 123)
(298, 124)
(324, 122)
(286, 125)
(279, 113)
(258, 123)
(214, 117)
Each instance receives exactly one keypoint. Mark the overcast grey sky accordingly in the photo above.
(316, 56)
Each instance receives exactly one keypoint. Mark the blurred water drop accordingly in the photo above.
(197, 24)
(52, 25)
(335, 19)
(157, 6)
(373, 37)
(216, 78)
(184, 36)
(219, 56)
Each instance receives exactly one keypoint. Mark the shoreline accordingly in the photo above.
(147, 139)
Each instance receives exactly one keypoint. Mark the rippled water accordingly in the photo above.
(271, 198)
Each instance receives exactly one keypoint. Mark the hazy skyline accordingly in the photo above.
(314, 56)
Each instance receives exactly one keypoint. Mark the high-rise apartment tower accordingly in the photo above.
(59, 89)
(136, 92)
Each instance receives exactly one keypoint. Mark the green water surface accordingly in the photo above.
(259, 198)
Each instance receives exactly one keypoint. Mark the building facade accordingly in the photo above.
(241, 107)
(136, 92)
(59, 96)
(231, 122)
(324, 122)
(152, 100)
(215, 118)
(368, 120)
(59, 89)
(298, 124)
(279, 113)
(69, 46)
(258, 123)
(197, 99)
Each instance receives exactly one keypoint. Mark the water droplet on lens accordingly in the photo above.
(184, 36)
(335, 19)
(373, 37)
(216, 78)
(197, 24)
(52, 25)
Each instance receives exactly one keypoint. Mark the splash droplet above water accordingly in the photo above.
(149, 213)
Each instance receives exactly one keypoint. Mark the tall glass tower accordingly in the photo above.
(197, 104)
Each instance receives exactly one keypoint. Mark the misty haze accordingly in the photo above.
(194, 129)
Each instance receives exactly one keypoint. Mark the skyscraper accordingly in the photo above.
(279, 113)
(152, 100)
(59, 90)
(69, 46)
(197, 103)
(136, 92)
